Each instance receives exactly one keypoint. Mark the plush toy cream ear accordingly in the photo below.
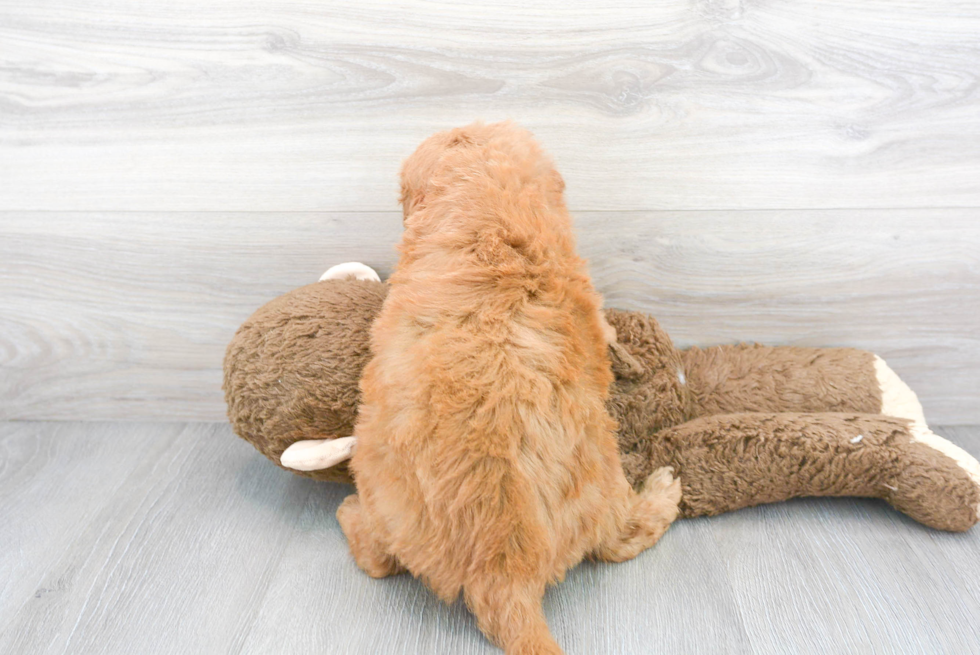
(317, 454)
(350, 270)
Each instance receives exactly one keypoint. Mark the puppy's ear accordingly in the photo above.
(557, 182)
(554, 187)
(411, 200)
(459, 138)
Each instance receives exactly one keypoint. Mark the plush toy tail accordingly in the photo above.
(510, 614)
(731, 461)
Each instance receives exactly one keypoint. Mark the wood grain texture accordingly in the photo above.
(854, 579)
(127, 315)
(690, 104)
(173, 538)
(173, 545)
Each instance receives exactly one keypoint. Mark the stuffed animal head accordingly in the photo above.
(292, 370)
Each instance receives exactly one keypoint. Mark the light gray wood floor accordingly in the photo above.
(180, 538)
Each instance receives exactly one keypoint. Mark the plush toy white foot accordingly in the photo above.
(355, 270)
(317, 454)
(897, 399)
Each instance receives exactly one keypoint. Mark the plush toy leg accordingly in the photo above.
(731, 461)
(897, 399)
(754, 378)
(370, 553)
(317, 454)
(347, 270)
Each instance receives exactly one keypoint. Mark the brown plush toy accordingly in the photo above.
(740, 425)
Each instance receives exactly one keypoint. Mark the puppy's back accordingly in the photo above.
(486, 461)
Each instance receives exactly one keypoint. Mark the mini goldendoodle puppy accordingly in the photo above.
(486, 462)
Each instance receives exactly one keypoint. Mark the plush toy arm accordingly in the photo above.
(730, 461)
(753, 378)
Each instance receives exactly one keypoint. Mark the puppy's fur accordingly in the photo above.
(486, 461)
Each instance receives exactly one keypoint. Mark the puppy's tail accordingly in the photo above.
(510, 614)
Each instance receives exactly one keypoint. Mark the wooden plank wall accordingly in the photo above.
(774, 171)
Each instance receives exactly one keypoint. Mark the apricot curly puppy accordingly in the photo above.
(486, 462)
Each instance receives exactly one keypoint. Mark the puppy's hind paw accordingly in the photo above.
(663, 483)
(651, 513)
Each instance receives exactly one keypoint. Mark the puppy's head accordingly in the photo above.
(502, 144)
(422, 165)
